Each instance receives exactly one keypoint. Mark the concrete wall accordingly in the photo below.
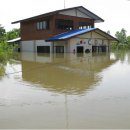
(87, 41)
(28, 46)
(75, 42)
(61, 43)
(31, 46)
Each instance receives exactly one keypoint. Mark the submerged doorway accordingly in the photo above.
(104, 49)
(59, 49)
(80, 49)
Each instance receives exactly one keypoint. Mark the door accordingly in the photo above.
(80, 49)
(59, 49)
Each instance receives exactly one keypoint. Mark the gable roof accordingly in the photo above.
(73, 33)
(79, 8)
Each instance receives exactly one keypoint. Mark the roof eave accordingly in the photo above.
(55, 40)
(44, 15)
(33, 18)
(112, 38)
(98, 20)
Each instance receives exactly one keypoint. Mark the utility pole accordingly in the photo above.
(64, 4)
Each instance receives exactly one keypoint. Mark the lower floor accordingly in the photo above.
(74, 41)
(68, 46)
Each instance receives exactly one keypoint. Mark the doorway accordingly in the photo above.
(80, 49)
(59, 49)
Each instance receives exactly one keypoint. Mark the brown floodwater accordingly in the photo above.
(66, 91)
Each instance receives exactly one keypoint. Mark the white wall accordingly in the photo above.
(31, 46)
(87, 40)
(75, 42)
(61, 43)
(43, 43)
(96, 38)
(27, 46)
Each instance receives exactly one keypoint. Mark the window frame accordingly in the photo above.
(85, 25)
(64, 24)
(42, 25)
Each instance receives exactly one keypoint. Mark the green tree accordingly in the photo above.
(14, 33)
(2, 33)
(108, 32)
(128, 41)
(121, 36)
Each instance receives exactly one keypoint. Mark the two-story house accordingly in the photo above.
(67, 30)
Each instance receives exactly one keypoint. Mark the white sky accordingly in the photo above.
(116, 13)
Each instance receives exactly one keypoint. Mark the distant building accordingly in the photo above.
(63, 31)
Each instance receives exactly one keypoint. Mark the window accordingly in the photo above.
(43, 25)
(43, 49)
(64, 24)
(84, 25)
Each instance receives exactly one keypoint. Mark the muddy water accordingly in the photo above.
(66, 91)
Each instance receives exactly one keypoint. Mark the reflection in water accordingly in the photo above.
(64, 73)
(66, 91)
(2, 70)
(3, 64)
(123, 55)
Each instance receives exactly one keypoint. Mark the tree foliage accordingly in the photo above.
(14, 33)
(2, 33)
(6, 50)
(124, 40)
(128, 40)
(108, 32)
(121, 36)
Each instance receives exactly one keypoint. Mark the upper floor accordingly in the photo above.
(47, 25)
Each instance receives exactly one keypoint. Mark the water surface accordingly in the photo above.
(66, 91)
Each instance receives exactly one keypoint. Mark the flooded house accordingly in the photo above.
(70, 30)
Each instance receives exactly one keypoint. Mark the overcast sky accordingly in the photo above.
(116, 13)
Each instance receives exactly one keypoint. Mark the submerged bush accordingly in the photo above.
(6, 51)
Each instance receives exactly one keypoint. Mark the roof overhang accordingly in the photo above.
(106, 35)
(93, 16)
(14, 40)
(79, 8)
